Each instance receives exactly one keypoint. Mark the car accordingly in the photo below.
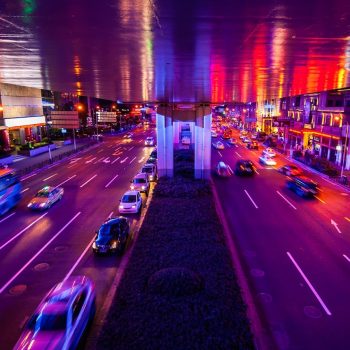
(151, 171)
(243, 134)
(254, 136)
(290, 170)
(149, 141)
(269, 151)
(112, 236)
(223, 170)
(218, 145)
(140, 183)
(244, 167)
(246, 139)
(267, 160)
(46, 197)
(153, 154)
(252, 145)
(214, 134)
(302, 186)
(130, 203)
(151, 160)
(62, 317)
(186, 140)
(128, 135)
(232, 141)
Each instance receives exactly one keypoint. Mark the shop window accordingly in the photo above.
(329, 103)
(319, 119)
(297, 101)
(327, 120)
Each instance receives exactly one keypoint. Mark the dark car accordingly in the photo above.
(153, 154)
(290, 170)
(244, 167)
(302, 186)
(151, 160)
(112, 236)
(253, 145)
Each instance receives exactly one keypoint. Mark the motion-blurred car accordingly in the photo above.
(252, 145)
(243, 134)
(222, 170)
(290, 170)
(302, 186)
(246, 139)
(244, 167)
(267, 160)
(150, 170)
(140, 183)
(149, 141)
(112, 236)
(269, 152)
(218, 145)
(232, 141)
(131, 202)
(46, 197)
(128, 135)
(62, 317)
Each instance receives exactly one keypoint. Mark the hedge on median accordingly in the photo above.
(179, 290)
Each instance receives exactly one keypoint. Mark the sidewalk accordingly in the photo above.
(30, 164)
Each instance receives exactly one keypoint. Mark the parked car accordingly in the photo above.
(151, 171)
(290, 170)
(267, 160)
(140, 183)
(302, 186)
(223, 170)
(269, 152)
(149, 141)
(46, 197)
(112, 236)
(218, 145)
(131, 202)
(244, 167)
(62, 317)
(252, 145)
(186, 140)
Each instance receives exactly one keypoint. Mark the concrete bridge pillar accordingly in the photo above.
(165, 146)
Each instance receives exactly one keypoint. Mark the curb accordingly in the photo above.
(100, 319)
(263, 338)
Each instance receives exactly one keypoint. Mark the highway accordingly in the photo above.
(295, 251)
(40, 249)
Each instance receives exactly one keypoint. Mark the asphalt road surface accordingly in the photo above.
(39, 249)
(296, 251)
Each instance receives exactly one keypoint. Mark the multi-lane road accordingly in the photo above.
(295, 251)
(39, 249)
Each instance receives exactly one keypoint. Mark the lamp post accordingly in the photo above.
(48, 132)
(345, 150)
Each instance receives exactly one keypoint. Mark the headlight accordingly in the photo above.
(42, 205)
(132, 187)
(133, 206)
(94, 246)
(143, 187)
(30, 204)
(121, 207)
(114, 245)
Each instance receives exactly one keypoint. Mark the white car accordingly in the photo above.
(214, 134)
(149, 141)
(131, 202)
(62, 317)
(267, 160)
(246, 139)
(269, 152)
(218, 145)
(151, 170)
(140, 183)
(46, 197)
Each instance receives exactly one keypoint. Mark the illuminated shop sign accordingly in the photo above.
(13, 122)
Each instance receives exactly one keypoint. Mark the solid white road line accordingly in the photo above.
(79, 259)
(71, 177)
(50, 177)
(141, 160)
(37, 254)
(132, 160)
(25, 190)
(85, 183)
(286, 200)
(220, 154)
(115, 160)
(24, 230)
(325, 308)
(7, 217)
(251, 199)
(322, 201)
(238, 154)
(346, 257)
(111, 181)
